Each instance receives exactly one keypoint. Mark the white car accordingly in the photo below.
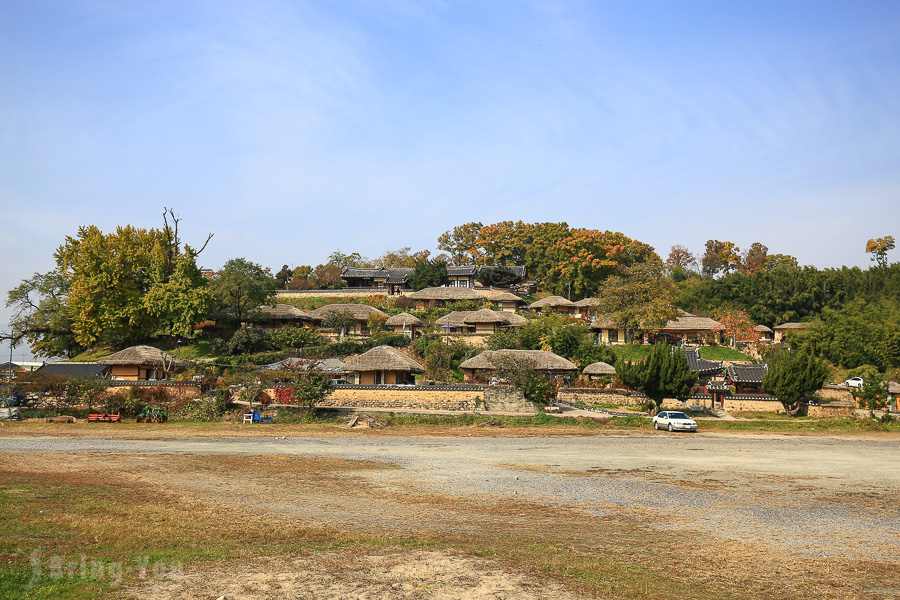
(674, 421)
(856, 382)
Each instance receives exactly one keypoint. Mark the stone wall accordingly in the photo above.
(601, 396)
(740, 405)
(178, 390)
(428, 397)
(344, 293)
(829, 410)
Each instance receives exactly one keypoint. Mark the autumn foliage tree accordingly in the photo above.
(878, 248)
(720, 257)
(459, 243)
(738, 325)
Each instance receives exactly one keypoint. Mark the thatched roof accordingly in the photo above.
(404, 319)
(792, 326)
(446, 293)
(515, 319)
(544, 361)
(383, 358)
(599, 368)
(589, 302)
(500, 296)
(486, 315)
(689, 322)
(604, 322)
(360, 312)
(457, 318)
(281, 311)
(762, 329)
(551, 301)
(142, 355)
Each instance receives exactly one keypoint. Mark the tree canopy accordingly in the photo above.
(663, 374)
(429, 273)
(241, 286)
(793, 375)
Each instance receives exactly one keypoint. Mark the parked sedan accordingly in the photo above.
(674, 421)
(856, 382)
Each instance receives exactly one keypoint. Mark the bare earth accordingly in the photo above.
(751, 507)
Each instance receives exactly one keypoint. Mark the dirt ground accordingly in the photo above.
(734, 515)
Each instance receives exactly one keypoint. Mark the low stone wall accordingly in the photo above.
(428, 397)
(739, 405)
(829, 410)
(601, 396)
(344, 293)
(178, 390)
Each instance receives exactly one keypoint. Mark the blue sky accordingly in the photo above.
(291, 129)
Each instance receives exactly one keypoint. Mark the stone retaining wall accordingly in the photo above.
(831, 410)
(836, 392)
(601, 396)
(178, 390)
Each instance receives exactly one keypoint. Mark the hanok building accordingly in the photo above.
(480, 368)
(477, 325)
(785, 328)
(141, 363)
(277, 316)
(393, 281)
(746, 379)
(607, 331)
(384, 365)
(587, 308)
(689, 329)
(462, 275)
(598, 370)
(765, 334)
(437, 297)
(556, 304)
(85, 370)
(405, 324)
(359, 312)
(505, 301)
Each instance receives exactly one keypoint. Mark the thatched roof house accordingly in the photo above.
(140, 363)
(404, 318)
(360, 312)
(479, 367)
(587, 307)
(383, 365)
(486, 315)
(784, 328)
(405, 323)
(506, 301)
(456, 319)
(277, 315)
(555, 304)
(765, 334)
(483, 322)
(440, 296)
(599, 369)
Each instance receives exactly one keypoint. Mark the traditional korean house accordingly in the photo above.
(436, 297)
(405, 324)
(384, 365)
(360, 313)
(75, 369)
(554, 304)
(393, 281)
(785, 328)
(765, 334)
(586, 308)
(607, 331)
(598, 370)
(462, 275)
(746, 379)
(277, 316)
(480, 368)
(505, 301)
(689, 329)
(141, 363)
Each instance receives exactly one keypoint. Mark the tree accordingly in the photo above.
(681, 258)
(502, 243)
(85, 390)
(428, 274)
(587, 257)
(341, 260)
(720, 257)
(663, 374)
(42, 316)
(326, 277)
(183, 300)
(519, 372)
(339, 319)
(459, 243)
(784, 262)
(879, 248)
(754, 259)
(498, 277)
(241, 286)
(310, 386)
(873, 393)
(738, 326)
(794, 374)
(283, 276)
(642, 297)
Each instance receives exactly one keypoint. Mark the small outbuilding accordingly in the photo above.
(141, 363)
(598, 370)
(480, 367)
(384, 365)
(405, 324)
(554, 304)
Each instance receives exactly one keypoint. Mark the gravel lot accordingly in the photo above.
(812, 496)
